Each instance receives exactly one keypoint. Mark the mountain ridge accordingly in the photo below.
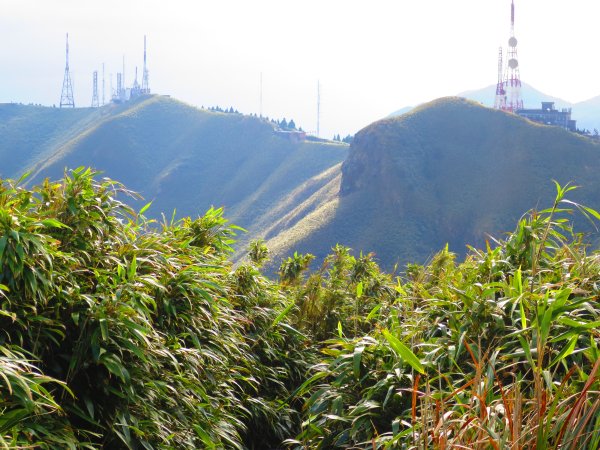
(407, 186)
(186, 159)
(450, 171)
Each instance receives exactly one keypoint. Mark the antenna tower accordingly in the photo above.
(135, 88)
(512, 84)
(145, 85)
(66, 96)
(95, 89)
(500, 102)
(103, 87)
(318, 107)
(119, 95)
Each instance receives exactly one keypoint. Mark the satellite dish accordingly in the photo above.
(513, 63)
(512, 42)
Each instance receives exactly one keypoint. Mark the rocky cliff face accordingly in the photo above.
(369, 161)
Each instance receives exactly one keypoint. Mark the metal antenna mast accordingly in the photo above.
(120, 95)
(318, 107)
(145, 85)
(500, 102)
(103, 87)
(513, 77)
(66, 95)
(135, 88)
(95, 102)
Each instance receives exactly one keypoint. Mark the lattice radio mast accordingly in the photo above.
(136, 85)
(66, 95)
(500, 101)
(103, 87)
(513, 78)
(95, 102)
(145, 85)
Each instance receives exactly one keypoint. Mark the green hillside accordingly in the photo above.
(180, 157)
(32, 133)
(452, 172)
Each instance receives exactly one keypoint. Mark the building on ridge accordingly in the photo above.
(549, 115)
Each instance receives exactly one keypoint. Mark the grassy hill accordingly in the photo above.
(32, 133)
(178, 156)
(451, 171)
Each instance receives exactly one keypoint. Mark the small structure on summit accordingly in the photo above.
(549, 115)
(291, 135)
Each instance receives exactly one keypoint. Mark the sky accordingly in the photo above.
(370, 57)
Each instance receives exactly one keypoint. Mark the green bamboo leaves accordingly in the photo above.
(118, 332)
(503, 351)
(403, 351)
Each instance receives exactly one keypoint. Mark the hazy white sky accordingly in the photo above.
(371, 57)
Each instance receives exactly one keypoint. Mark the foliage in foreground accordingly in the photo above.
(120, 333)
(115, 334)
(500, 351)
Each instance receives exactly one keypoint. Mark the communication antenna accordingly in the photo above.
(513, 77)
(66, 95)
(145, 83)
(95, 89)
(123, 75)
(135, 88)
(500, 101)
(120, 88)
(318, 107)
(103, 87)
(135, 82)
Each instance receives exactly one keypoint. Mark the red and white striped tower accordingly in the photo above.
(512, 83)
(500, 101)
